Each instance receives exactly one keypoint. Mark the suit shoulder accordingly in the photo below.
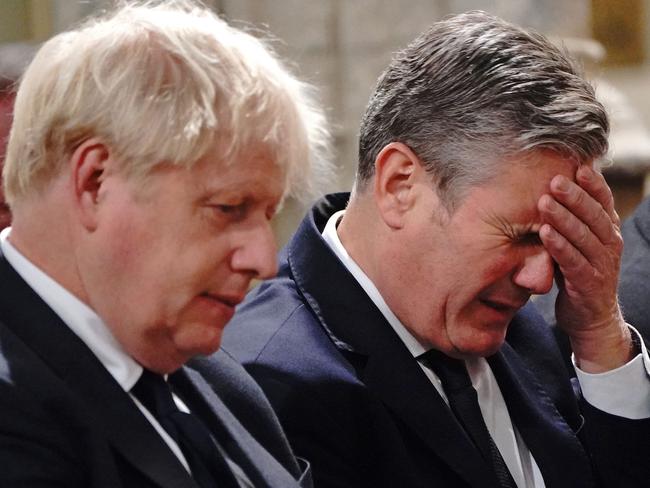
(277, 298)
(292, 343)
(273, 315)
(247, 402)
(227, 377)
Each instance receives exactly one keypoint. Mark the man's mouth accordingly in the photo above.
(503, 306)
(232, 300)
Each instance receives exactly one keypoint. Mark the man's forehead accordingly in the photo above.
(516, 190)
(536, 170)
(542, 156)
(255, 174)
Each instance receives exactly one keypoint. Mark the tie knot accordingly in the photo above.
(155, 394)
(207, 464)
(452, 372)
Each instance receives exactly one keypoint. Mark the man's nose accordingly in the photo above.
(536, 272)
(256, 253)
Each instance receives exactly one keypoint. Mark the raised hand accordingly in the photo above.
(581, 233)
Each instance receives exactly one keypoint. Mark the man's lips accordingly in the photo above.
(231, 300)
(502, 305)
(222, 304)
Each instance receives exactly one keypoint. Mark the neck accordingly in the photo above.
(360, 233)
(40, 231)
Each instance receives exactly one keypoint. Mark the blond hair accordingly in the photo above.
(162, 82)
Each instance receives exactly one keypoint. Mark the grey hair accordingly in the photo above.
(163, 82)
(473, 91)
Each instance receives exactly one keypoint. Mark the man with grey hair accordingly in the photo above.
(149, 150)
(396, 343)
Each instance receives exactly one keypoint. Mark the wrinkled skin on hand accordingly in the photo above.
(582, 234)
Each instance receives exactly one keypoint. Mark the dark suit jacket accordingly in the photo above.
(634, 284)
(65, 422)
(354, 401)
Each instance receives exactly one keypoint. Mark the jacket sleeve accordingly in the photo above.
(619, 447)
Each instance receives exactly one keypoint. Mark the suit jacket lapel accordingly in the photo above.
(364, 336)
(406, 390)
(129, 431)
(260, 466)
(552, 442)
(94, 391)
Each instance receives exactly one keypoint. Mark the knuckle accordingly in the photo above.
(579, 197)
(605, 224)
(559, 243)
(603, 190)
(572, 261)
(596, 276)
(583, 235)
(617, 242)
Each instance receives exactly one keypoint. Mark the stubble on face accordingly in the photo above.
(459, 289)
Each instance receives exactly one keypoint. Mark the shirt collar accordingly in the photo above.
(331, 237)
(78, 316)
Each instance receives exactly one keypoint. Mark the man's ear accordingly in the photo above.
(397, 168)
(89, 164)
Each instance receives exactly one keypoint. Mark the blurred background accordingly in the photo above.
(341, 46)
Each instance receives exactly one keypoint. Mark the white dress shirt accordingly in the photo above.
(92, 330)
(624, 391)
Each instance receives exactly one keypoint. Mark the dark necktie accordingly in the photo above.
(463, 401)
(209, 468)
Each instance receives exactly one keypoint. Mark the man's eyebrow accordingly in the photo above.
(515, 228)
(523, 229)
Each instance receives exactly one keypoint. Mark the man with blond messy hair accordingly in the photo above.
(149, 150)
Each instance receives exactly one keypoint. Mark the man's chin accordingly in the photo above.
(202, 344)
(480, 344)
(177, 352)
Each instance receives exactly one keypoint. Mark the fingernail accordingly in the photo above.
(561, 184)
(586, 173)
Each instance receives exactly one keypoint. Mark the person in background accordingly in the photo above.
(14, 57)
(150, 149)
(397, 343)
(634, 279)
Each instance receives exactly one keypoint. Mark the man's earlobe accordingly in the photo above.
(396, 167)
(88, 165)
